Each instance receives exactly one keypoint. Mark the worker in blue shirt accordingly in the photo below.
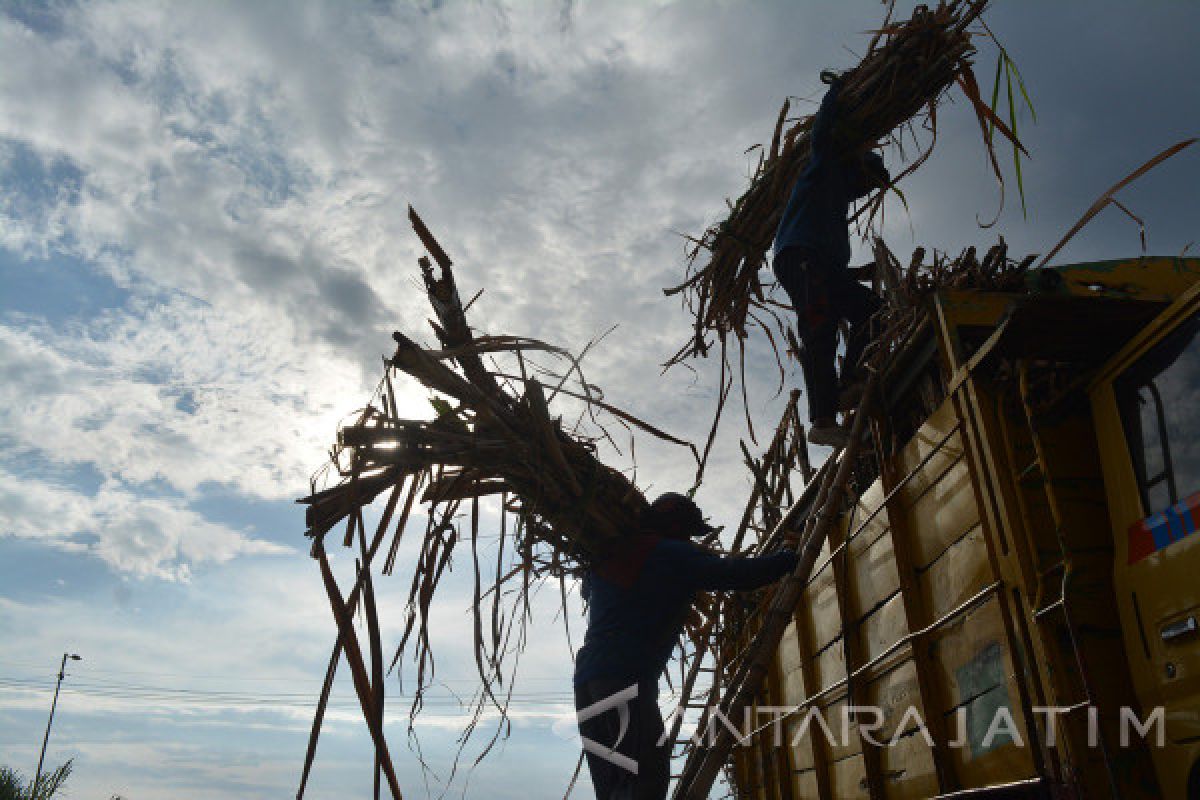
(811, 257)
(638, 599)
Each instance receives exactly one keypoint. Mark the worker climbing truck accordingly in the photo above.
(1007, 604)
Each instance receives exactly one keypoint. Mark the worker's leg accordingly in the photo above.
(806, 284)
(857, 305)
(612, 768)
(602, 729)
(820, 374)
(654, 761)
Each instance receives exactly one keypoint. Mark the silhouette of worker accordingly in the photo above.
(812, 251)
(638, 599)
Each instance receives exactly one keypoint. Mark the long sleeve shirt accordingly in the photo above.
(637, 603)
(815, 217)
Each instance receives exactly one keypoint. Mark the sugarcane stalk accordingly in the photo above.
(362, 683)
(756, 662)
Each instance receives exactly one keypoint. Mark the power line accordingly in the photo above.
(147, 692)
(85, 682)
(242, 677)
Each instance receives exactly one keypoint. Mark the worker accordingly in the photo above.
(638, 599)
(811, 255)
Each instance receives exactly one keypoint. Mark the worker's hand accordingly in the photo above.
(786, 547)
(793, 559)
(831, 77)
(876, 173)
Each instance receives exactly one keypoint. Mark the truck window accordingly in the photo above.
(1159, 400)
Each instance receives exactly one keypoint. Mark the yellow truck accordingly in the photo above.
(1010, 608)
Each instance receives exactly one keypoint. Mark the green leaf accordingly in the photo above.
(12, 786)
(1000, 59)
(1021, 86)
(1012, 122)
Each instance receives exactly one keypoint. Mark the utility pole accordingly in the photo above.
(37, 776)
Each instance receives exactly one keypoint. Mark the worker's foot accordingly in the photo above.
(828, 433)
(851, 396)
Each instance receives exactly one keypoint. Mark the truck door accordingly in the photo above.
(1147, 410)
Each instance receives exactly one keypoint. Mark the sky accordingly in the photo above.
(204, 250)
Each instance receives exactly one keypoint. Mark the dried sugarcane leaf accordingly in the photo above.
(1104, 199)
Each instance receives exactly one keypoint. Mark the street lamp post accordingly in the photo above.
(37, 776)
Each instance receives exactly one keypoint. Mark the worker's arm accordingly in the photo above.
(704, 570)
(864, 272)
(822, 129)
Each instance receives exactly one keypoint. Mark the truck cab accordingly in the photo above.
(1145, 403)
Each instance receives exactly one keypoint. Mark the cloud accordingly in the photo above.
(39, 194)
(141, 536)
(173, 390)
(263, 171)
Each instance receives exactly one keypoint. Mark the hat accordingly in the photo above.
(674, 514)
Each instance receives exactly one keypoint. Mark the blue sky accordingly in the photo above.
(204, 250)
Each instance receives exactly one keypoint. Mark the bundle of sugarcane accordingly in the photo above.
(493, 434)
(994, 272)
(909, 66)
(486, 440)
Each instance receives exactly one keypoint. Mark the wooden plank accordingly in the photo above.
(916, 615)
(972, 659)
(781, 756)
(945, 511)
(872, 571)
(956, 575)
(1010, 554)
(829, 666)
(854, 657)
(821, 597)
(908, 768)
(894, 693)
(881, 629)
(816, 754)
(849, 779)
